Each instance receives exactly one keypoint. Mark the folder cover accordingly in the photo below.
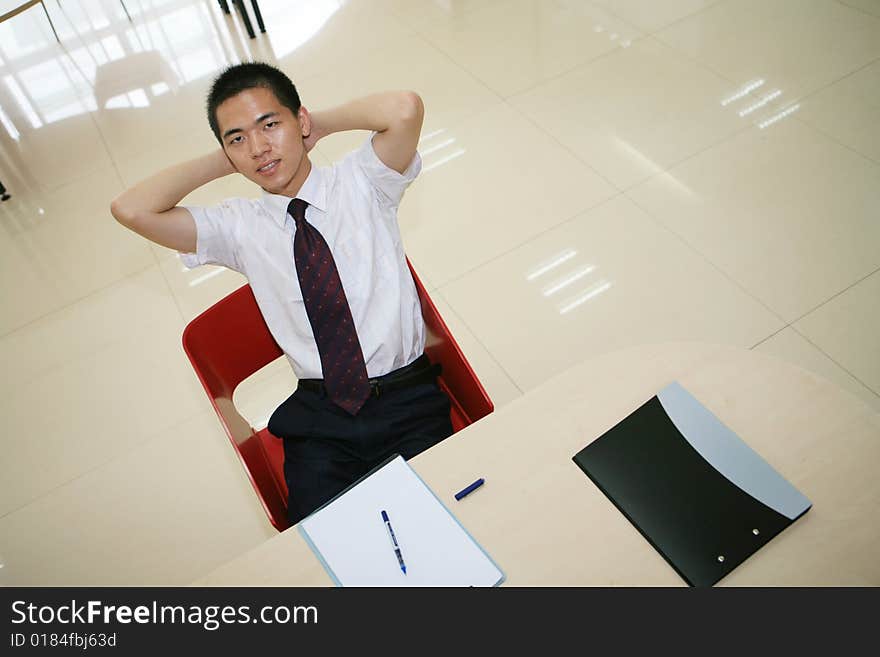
(702, 497)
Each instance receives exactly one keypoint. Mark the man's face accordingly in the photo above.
(264, 139)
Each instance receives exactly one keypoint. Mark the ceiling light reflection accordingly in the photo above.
(431, 134)
(543, 268)
(751, 86)
(444, 160)
(594, 291)
(568, 280)
(766, 99)
(778, 117)
(437, 147)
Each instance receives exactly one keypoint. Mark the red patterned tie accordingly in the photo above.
(342, 360)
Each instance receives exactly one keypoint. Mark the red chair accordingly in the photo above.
(230, 341)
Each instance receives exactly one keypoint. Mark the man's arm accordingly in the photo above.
(396, 115)
(149, 208)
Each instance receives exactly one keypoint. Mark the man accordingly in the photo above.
(321, 249)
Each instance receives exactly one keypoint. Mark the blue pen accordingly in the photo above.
(394, 542)
(470, 489)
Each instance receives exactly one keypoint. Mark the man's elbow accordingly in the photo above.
(412, 109)
(121, 212)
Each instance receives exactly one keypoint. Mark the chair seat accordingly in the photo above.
(230, 341)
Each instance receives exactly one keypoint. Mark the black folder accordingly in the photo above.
(702, 497)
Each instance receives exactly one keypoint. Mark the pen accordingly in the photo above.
(470, 489)
(394, 541)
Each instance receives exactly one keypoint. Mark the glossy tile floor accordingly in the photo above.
(596, 175)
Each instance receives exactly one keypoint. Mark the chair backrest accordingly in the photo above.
(230, 341)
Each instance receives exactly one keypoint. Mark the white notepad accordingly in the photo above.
(350, 538)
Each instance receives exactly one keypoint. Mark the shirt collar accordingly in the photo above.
(313, 192)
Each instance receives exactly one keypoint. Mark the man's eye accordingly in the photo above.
(235, 140)
(271, 124)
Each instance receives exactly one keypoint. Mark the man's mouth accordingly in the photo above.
(269, 167)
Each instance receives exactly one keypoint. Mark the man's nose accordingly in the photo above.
(259, 145)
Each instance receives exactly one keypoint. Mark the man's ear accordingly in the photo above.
(305, 121)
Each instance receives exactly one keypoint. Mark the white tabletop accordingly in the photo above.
(546, 524)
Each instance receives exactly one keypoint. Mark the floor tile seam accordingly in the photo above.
(81, 175)
(572, 69)
(498, 98)
(867, 387)
(465, 12)
(806, 95)
(822, 131)
(835, 295)
(668, 168)
(552, 138)
(136, 446)
(800, 97)
(132, 155)
(114, 164)
(401, 22)
(479, 341)
(445, 282)
(773, 334)
(685, 17)
(858, 9)
(821, 351)
(170, 289)
(75, 301)
(694, 59)
(705, 258)
(830, 137)
(506, 97)
(436, 47)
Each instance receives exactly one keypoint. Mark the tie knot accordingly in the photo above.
(297, 209)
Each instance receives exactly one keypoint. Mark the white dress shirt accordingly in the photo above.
(354, 206)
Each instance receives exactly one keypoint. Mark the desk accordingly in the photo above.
(546, 524)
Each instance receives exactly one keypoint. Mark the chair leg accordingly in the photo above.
(259, 16)
(239, 4)
(125, 9)
(224, 6)
(50, 21)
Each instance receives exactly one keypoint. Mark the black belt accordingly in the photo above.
(416, 373)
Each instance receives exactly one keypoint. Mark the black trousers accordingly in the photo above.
(326, 449)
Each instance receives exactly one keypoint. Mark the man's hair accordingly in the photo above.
(241, 77)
